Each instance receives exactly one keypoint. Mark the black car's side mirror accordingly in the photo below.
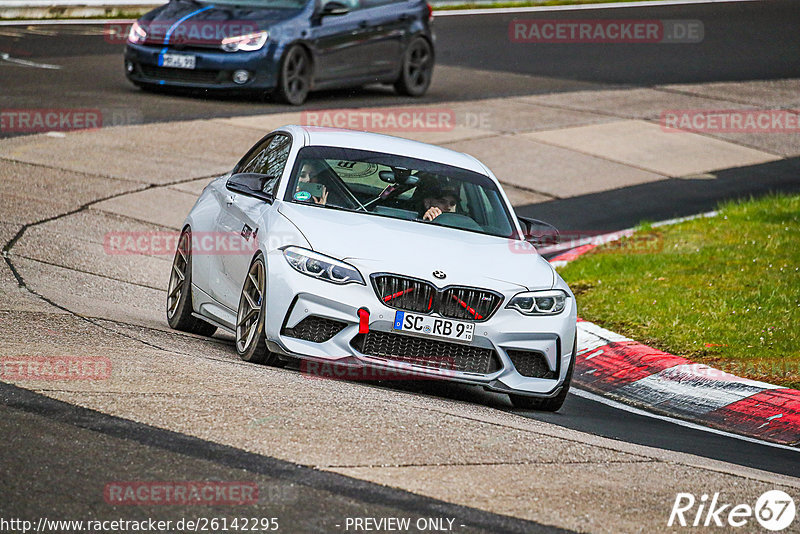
(334, 8)
(251, 184)
(539, 233)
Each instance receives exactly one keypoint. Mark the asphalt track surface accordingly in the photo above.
(743, 41)
(97, 447)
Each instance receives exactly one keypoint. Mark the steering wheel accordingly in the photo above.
(457, 220)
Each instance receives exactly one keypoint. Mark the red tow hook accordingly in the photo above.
(363, 321)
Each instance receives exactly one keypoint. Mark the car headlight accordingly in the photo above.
(319, 266)
(247, 43)
(137, 34)
(549, 302)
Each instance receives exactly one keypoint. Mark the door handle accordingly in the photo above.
(363, 25)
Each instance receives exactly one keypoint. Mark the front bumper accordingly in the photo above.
(213, 69)
(294, 297)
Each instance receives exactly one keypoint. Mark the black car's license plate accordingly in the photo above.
(177, 61)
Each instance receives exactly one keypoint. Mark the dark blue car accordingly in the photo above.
(288, 47)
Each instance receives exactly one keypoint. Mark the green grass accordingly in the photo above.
(724, 291)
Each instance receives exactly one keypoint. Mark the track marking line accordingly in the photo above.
(694, 426)
(5, 57)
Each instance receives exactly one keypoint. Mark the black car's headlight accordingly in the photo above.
(246, 43)
(137, 34)
(323, 267)
(548, 302)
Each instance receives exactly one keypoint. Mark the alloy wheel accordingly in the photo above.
(250, 307)
(419, 64)
(177, 278)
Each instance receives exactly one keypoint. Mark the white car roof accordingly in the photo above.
(321, 136)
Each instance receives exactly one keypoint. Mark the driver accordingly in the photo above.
(437, 202)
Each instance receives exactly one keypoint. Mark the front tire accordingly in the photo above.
(294, 81)
(251, 344)
(553, 404)
(179, 291)
(417, 69)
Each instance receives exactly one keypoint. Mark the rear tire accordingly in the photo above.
(417, 69)
(553, 404)
(179, 292)
(294, 81)
(251, 343)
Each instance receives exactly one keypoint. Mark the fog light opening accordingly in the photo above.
(241, 77)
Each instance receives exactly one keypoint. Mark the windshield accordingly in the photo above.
(269, 4)
(399, 187)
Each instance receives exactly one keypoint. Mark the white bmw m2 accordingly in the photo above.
(369, 251)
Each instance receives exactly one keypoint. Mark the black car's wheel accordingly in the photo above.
(553, 404)
(251, 344)
(417, 69)
(179, 291)
(294, 81)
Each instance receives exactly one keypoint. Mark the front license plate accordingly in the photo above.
(433, 326)
(177, 61)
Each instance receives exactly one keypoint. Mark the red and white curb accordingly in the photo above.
(618, 367)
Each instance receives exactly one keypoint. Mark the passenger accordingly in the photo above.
(309, 173)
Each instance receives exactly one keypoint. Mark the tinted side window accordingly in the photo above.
(270, 159)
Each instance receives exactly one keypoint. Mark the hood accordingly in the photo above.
(381, 244)
(203, 23)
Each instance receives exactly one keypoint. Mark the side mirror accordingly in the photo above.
(334, 8)
(539, 233)
(251, 184)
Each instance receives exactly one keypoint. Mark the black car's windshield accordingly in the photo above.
(267, 4)
(399, 187)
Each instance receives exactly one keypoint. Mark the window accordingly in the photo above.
(269, 159)
(399, 187)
